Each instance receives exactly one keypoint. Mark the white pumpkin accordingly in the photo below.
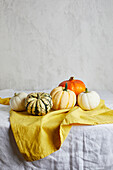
(17, 102)
(88, 100)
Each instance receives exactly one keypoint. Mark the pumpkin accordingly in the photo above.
(38, 104)
(63, 98)
(75, 85)
(17, 102)
(88, 100)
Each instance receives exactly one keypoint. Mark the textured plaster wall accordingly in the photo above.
(43, 42)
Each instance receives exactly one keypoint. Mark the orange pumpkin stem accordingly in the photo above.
(71, 78)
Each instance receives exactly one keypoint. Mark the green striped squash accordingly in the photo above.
(38, 103)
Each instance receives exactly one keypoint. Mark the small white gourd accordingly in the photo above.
(17, 102)
(88, 100)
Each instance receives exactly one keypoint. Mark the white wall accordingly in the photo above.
(43, 42)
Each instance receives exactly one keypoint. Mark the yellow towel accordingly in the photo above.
(5, 101)
(39, 136)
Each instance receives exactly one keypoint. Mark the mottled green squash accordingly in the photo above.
(38, 103)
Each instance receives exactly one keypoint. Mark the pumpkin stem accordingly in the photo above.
(86, 90)
(65, 87)
(71, 78)
(15, 94)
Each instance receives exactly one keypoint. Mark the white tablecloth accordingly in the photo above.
(85, 148)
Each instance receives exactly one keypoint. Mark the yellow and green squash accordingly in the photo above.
(38, 104)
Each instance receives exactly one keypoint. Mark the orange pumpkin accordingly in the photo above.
(76, 86)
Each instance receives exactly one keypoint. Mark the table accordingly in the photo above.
(85, 148)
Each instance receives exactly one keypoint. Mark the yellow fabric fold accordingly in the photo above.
(39, 136)
(5, 101)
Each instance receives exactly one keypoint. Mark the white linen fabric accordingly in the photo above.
(85, 148)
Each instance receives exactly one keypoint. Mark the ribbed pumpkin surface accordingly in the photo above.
(75, 85)
(63, 99)
(38, 103)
